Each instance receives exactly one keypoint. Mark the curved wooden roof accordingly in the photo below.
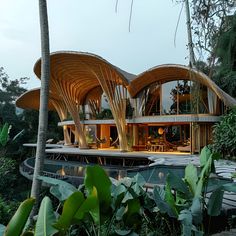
(170, 72)
(31, 100)
(78, 72)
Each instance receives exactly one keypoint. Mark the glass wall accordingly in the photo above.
(148, 101)
(203, 104)
(199, 99)
(176, 98)
(169, 98)
(184, 97)
(169, 137)
(104, 102)
(142, 134)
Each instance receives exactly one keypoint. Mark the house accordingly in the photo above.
(165, 108)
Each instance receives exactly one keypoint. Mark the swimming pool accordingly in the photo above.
(74, 172)
(156, 174)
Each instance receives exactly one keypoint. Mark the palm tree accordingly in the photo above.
(189, 31)
(44, 93)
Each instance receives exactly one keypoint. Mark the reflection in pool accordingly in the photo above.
(157, 174)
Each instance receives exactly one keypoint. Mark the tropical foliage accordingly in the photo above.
(7, 175)
(102, 206)
(208, 18)
(7, 210)
(104, 114)
(4, 137)
(8, 178)
(14, 187)
(213, 27)
(224, 138)
(225, 70)
(10, 89)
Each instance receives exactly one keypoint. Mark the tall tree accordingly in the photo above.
(208, 16)
(189, 32)
(225, 69)
(44, 94)
(10, 89)
(214, 30)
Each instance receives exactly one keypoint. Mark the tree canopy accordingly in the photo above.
(225, 69)
(208, 17)
(10, 89)
(214, 30)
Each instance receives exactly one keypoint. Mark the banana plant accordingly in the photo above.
(185, 199)
(16, 225)
(44, 224)
(99, 207)
(4, 134)
(4, 138)
(46, 218)
(104, 207)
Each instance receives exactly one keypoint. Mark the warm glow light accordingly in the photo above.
(160, 131)
(62, 172)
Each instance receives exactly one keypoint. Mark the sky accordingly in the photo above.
(93, 26)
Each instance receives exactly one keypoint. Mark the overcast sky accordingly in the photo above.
(93, 26)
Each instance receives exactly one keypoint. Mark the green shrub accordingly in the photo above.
(7, 174)
(7, 210)
(105, 114)
(224, 135)
(123, 207)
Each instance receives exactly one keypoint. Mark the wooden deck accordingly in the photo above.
(175, 156)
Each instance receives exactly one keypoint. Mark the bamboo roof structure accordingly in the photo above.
(78, 72)
(75, 74)
(169, 72)
(31, 99)
(78, 78)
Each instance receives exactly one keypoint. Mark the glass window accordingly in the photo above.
(203, 104)
(152, 106)
(199, 101)
(104, 102)
(169, 98)
(173, 98)
(142, 134)
(178, 134)
(184, 97)
(90, 133)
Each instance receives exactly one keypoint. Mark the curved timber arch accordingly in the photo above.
(79, 78)
(31, 99)
(171, 72)
(74, 74)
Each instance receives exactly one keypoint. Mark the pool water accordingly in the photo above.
(154, 174)
(157, 174)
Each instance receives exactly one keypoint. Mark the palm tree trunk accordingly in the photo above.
(195, 88)
(44, 94)
(189, 31)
